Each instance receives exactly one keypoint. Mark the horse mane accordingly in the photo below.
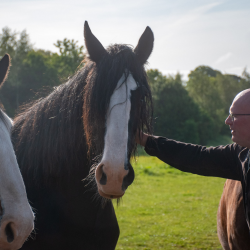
(55, 133)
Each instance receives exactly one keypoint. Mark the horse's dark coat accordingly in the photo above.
(232, 227)
(55, 140)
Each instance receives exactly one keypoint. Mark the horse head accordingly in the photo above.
(117, 104)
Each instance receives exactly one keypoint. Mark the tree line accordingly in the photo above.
(192, 111)
(35, 72)
(196, 110)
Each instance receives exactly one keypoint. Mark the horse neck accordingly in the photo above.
(49, 137)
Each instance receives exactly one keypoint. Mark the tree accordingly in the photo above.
(176, 114)
(246, 75)
(17, 48)
(214, 93)
(69, 59)
(34, 73)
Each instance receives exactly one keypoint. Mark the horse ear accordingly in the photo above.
(4, 67)
(145, 45)
(95, 49)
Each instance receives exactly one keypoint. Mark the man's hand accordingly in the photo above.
(141, 138)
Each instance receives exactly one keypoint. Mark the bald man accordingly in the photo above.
(230, 161)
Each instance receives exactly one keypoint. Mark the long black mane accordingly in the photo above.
(54, 136)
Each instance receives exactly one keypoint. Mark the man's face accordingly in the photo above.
(240, 127)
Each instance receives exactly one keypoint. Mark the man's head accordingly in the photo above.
(240, 123)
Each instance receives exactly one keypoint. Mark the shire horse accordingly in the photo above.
(232, 227)
(16, 216)
(85, 129)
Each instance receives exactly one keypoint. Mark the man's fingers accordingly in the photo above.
(141, 138)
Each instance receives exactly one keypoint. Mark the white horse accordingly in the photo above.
(16, 216)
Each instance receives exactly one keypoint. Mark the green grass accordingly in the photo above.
(168, 209)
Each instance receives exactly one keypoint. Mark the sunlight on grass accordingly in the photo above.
(167, 209)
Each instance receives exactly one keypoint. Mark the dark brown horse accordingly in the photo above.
(232, 227)
(95, 115)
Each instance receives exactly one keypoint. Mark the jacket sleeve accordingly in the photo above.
(221, 161)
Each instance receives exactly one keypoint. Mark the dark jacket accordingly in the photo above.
(230, 161)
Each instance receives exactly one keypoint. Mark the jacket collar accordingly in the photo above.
(243, 157)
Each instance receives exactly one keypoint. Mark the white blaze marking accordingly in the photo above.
(13, 196)
(10, 176)
(116, 138)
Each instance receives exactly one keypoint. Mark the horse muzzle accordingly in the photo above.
(113, 182)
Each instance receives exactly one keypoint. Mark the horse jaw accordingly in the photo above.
(113, 167)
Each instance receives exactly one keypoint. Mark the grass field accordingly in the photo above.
(168, 209)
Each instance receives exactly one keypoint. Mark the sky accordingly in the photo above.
(188, 33)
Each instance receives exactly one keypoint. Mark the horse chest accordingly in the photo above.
(71, 216)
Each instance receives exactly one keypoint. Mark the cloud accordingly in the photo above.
(235, 70)
(173, 72)
(193, 15)
(223, 58)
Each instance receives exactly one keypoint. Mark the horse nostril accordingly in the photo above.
(9, 233)
(129, 178)
(103, 180)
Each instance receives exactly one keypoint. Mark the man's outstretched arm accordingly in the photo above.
(221, 161)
